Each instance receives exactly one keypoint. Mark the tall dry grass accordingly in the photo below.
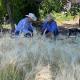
(38, 58)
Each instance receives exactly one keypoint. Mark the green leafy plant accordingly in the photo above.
(48, 6)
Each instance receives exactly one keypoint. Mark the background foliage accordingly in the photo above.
(2, 9)
(48, 6)
(22, 7)
(19, 8)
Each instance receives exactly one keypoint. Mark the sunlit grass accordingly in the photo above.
(6, 26)
(23, 58)
(10, 72)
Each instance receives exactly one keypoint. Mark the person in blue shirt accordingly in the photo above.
(25, 25)
(49, 27)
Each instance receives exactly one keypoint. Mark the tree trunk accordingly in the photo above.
(9, 12)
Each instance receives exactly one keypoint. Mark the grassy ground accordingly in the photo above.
(39, 58)
(8, 26)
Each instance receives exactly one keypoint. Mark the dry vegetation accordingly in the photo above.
(39, 58)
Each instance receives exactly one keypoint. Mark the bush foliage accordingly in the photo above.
(22, 7)
(48, 6)
(19, 8)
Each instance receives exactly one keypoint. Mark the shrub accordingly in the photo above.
(23, 7)
(47, 6)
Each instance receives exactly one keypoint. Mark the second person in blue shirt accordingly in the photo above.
(49, 27)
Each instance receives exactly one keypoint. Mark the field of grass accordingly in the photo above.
(39, 58)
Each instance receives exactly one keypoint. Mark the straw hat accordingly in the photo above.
(32, 16)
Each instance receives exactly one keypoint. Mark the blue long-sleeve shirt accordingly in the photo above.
(50, 27)
(24, 26)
